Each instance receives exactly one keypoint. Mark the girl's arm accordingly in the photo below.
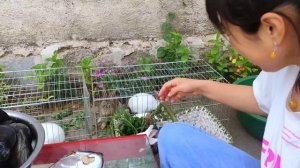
(239, 97)
(236, 96)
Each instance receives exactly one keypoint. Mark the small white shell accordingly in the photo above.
(53, 133)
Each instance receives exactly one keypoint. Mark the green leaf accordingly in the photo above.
(214, 51)
(2, 68)
(183, 53)
(47, 99)
(166, 27)
(161, 52)
(249, 69)
(171, 16)
(145, 60)
(218, 35)
(39, 66)
(168, 37)
(61, 115)
(29, 76)
(176, 38)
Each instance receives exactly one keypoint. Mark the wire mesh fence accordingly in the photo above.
(56, 96)
(111, 101)
(134, 88)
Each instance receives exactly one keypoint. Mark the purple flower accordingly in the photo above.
(98, 73)
(100, 85)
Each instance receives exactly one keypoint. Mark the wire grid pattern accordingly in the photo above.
(50, 95)
(116, 84)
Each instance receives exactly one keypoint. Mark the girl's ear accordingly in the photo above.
(274, 27)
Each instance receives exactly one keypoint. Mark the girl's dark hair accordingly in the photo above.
(247, 14)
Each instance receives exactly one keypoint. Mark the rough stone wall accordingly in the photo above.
(102, 28)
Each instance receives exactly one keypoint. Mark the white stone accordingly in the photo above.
(48, 51)
(2, 52)
(195, 42)
(75, 44)
(116, 55)
(142, 103)
(99, 45)
(135, 43)
(156, 45)
(22, 51)
(209, 37)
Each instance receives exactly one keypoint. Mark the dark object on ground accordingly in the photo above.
(19, 135)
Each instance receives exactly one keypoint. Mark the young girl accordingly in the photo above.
(267, 33)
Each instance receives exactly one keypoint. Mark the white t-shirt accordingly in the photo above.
(281, 142)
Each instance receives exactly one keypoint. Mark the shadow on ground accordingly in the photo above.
(242, 139)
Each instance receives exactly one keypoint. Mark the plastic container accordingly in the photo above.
(254, 124)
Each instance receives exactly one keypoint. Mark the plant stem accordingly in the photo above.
(130, 124)
(170, 112)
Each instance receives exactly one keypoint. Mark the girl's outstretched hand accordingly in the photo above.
(178, 88)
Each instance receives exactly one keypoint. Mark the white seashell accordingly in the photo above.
(142, 103)
(81, 160)
(53, 133)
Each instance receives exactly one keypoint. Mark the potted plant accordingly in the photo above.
(227, 61)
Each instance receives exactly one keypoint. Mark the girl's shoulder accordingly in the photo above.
(288, 73)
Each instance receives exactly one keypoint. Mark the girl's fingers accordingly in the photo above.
(164, 91)
(174, 91)
(177, 97)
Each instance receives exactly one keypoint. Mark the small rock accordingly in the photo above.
(22, 51)
(195, 42)
(135, 43)
(117, 55)
(74, 56)
(156, 45)
(2, 52)
(48, 51)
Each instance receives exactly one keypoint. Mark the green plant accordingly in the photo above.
(2, 68)
(174, 50)
(145, 61)
(4, 85)
(86, 66)
(123, 123)
(75, 122)
(163, 113)
(227, 61)
(105, 76)
(51, 78)
(147, 68)
(44, 71)
(62, 115)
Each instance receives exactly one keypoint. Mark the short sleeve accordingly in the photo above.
(263, 91)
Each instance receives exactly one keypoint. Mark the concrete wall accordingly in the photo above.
(29, 26)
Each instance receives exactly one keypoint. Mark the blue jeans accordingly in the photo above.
(183, 146)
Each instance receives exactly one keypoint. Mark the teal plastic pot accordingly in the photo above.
(254, 124)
